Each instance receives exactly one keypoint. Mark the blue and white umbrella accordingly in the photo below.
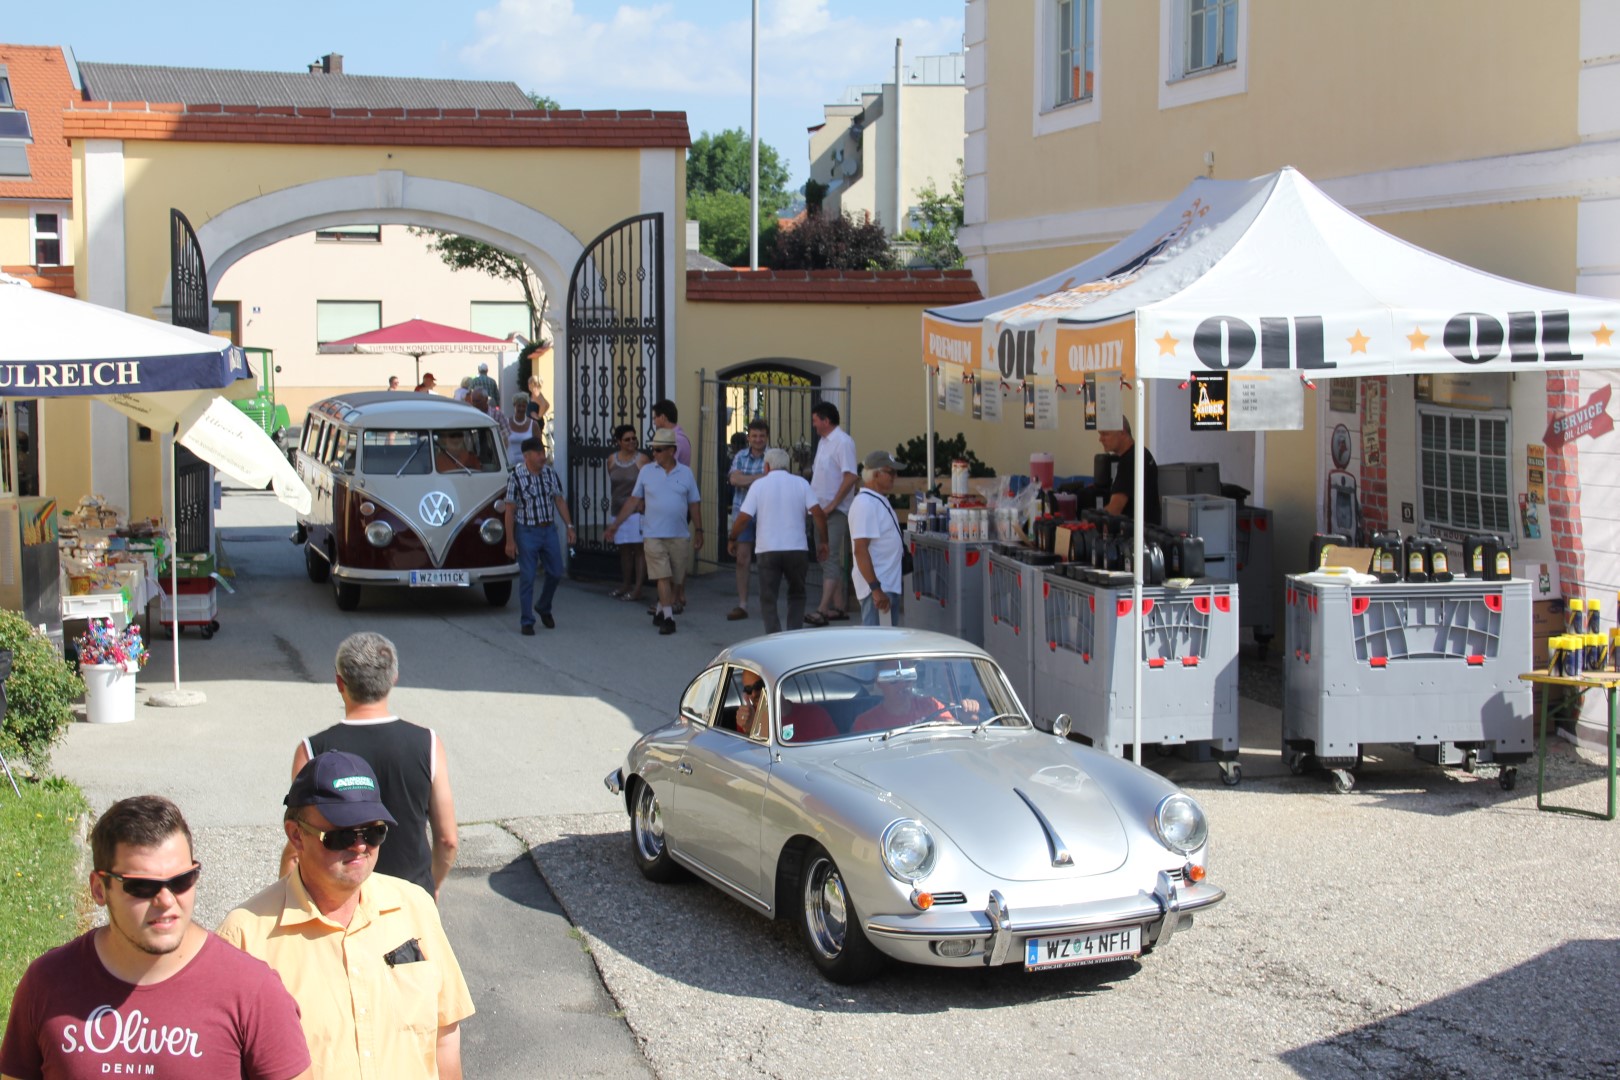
(159, 375)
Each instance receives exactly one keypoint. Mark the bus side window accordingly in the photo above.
(312, 433)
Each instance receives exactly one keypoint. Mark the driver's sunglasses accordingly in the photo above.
(145, 888)
(752, 688)
(344, 839)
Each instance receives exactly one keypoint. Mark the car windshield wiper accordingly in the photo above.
(996, 719)
(918, 727)
(420, 443)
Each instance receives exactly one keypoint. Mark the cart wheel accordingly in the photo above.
(1296, 763)
(1343, 781)
(1231, 773)
(206, 632)
(213, 625)
(1470, 762)
(1508, 777)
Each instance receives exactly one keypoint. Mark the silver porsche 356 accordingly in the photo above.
(884, 789)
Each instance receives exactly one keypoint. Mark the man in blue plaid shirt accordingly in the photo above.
(534, 505)
(746, 467)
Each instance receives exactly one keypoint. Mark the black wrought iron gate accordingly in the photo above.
(615, 332)
(193, 478)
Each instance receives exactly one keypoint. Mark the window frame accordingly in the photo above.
(1052, 115)
(348, 234)
(1446, 529)
(319, 340)
(36, 236)
(1179, 85)
(713, 675)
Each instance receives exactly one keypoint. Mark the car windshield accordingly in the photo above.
(398, 452)
(877, 697)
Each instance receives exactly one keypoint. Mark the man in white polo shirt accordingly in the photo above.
(834, 479)
(879, 545)
(778, 502)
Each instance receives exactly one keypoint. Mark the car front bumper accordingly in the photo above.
(999, 931)
(476, 575)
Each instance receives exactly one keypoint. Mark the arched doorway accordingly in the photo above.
(782, 391)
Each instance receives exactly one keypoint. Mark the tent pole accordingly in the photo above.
(1137, 495)
(174, 697)
(928, 403)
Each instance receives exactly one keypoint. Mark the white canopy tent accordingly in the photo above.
(162, 376)
(1272, 279)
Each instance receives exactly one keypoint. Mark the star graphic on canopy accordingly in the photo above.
(1167, 344)
(1602, 334)
(1418, 339)
(1358, 342)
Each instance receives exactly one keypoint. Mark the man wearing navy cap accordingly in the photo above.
(363, 954)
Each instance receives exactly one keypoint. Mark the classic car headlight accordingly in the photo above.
(379, 534)
(491, 531)
(908, 850)
(1181, 824)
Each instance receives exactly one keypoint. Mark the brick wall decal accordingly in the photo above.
(1563, 486)
(1375, 478)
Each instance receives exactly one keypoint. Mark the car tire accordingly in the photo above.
(316, 567)
(647, 845)
(498, 593)
(346, 593)
(829, 924)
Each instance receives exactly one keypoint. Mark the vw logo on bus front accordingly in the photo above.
(435, 508)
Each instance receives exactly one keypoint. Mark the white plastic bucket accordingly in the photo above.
(109, 694)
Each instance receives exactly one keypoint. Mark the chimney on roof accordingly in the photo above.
(330, 64)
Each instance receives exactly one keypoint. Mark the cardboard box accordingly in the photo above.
(1068, 544)
(1357, 559)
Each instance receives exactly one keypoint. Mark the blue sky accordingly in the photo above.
(691, 55)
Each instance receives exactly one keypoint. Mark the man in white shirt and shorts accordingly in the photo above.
(776, 504)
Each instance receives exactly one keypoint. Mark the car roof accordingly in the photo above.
(777, 654)
(397, 408)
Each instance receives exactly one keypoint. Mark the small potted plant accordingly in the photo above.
(109, 660)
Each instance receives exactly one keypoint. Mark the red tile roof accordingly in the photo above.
(42, 86)
(376, 127)
(932, 287)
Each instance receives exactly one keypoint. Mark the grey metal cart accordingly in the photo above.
(1434, 667)
(947, 585)
(1012, 616)
(1189, 658)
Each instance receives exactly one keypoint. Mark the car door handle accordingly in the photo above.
(683, 767)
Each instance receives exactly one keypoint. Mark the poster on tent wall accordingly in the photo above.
(990, 406)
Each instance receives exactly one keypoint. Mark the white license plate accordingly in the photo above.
(438, 577)
(1098, 948)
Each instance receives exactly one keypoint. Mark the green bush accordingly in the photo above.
(39, 693)
(42, 877)
(913, 454)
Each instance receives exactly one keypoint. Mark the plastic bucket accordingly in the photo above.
(1042, 470)
(109, 694)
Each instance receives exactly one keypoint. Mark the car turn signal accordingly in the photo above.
(1194, 873)
(922, 901)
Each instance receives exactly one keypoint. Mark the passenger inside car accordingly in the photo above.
(901, 702)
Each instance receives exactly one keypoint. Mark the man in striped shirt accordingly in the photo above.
(534, 505)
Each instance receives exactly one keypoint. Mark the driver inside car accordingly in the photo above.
(454, 454)
(902, 703)
(752, 718)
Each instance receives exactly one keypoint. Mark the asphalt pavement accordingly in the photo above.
(1427, 924)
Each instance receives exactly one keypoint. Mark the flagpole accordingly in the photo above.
(753, 150)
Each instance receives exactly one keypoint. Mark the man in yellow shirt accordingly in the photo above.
(363, 954)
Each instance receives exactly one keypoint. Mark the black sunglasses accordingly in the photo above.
(344, 839)
(752, 688)
(145, 888)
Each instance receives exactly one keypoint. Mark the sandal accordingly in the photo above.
(838, 616)
(617, 594)
(679, 609)
(630, 597)
(815, 618)
(736, 614)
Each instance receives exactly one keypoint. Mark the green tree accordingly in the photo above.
(724, 227)
(543, 101)
(721, 163)
(465, 253)
(939, 220)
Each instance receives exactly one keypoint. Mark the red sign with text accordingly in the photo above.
(1590, 419)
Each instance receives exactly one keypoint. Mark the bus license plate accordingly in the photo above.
(1098, 948)
(421, 578)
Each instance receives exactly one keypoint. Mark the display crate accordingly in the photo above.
(1189, 660)
(1432, 666)
(1211, 517)
(1012, 591)
(947, 584)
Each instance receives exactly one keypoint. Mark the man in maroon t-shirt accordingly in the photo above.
(151, 993)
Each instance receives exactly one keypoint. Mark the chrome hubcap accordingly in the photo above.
(826, 907)
(649, 824)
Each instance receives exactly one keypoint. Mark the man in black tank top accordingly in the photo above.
(409, 760)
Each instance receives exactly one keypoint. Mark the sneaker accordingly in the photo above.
(667, 626)
(528, 629)
(658, 618)
(547, 621)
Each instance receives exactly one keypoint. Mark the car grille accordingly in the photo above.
(949, 898)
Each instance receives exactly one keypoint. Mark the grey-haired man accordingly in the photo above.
(776, 505)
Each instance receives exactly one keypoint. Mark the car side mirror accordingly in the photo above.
(1062, 725)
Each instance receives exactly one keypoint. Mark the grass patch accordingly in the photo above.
(42, 892)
